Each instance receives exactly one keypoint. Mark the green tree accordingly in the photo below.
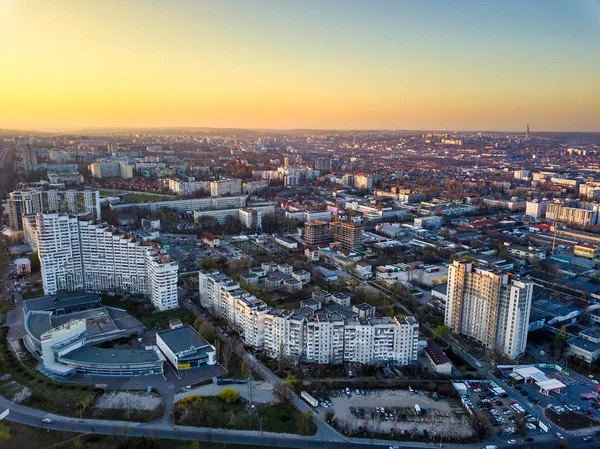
(291, 381)
(441, 332)
(205, 329)
(210, 264)
(229, 395)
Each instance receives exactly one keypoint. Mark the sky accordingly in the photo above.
(282, 64)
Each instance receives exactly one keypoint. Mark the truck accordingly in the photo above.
(308, 398)
(230, 381)
(417, 409)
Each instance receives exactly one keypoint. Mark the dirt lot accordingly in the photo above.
(571, 420)
(128, 400)
(445, 417)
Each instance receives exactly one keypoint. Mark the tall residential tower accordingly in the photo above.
(491, 307)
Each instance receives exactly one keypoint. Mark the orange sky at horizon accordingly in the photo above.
(73, 65)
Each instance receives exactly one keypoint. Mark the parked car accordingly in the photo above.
(560, 436)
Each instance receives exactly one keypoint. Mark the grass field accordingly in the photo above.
(110, 192)
(214, 412)
(142, 197)
(55, 397)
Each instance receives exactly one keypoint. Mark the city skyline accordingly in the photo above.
(494, 66)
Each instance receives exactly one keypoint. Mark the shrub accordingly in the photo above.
(229, 395)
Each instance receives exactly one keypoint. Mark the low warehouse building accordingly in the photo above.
(185, 349)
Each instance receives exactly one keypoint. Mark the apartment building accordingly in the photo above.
(186, 187)
(248, 216)
(363, 181)
(79, 254)
(588, 215)
(491, 307)
(102, 169)
(350, 235)
(189, 205)
(590, 191)
(226, 187)
(319, 334)
(35, 200)
(537, 209)
(252, 187)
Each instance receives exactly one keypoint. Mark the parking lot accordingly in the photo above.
(578, 398)
(506, 414)
(395, 412)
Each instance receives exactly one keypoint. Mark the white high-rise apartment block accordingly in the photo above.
(537, 209)
(363, 181)
(588, 215)
(35, 200)
(590, 191)
(318, 336)
(226, 187)
(492, 307)
(77, 253)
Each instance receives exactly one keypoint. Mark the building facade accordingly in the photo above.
(36, 200)
(79, 254)
(491, 307)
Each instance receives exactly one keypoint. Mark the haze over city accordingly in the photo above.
(455, 65)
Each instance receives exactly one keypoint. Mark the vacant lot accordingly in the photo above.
(571, 420)
(262, 392)
(139, 406)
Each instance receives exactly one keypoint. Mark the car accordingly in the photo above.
(377, 393)
(529, 439)
(348, 391)
(394, 447)
(560, 436)
(47, 420)
(588, 438)
(357, 391)
(511, 442)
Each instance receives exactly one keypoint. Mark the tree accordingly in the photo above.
(210, 264)
(226, 354)
(329, 415)
(441, 332)
(282, 393)
(305, 423)
(521, 427)
(229, 395)
(246, 369)
(291, 381)
(205, 329)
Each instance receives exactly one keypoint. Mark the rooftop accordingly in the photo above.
(91, 354)
(435, 353)
(56, 302)
(182, 339)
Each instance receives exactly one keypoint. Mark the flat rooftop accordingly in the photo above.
(92, 354)
(182, 339)
(68, 301)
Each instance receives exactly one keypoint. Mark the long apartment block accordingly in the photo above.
(320, 331)
(78, 253)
